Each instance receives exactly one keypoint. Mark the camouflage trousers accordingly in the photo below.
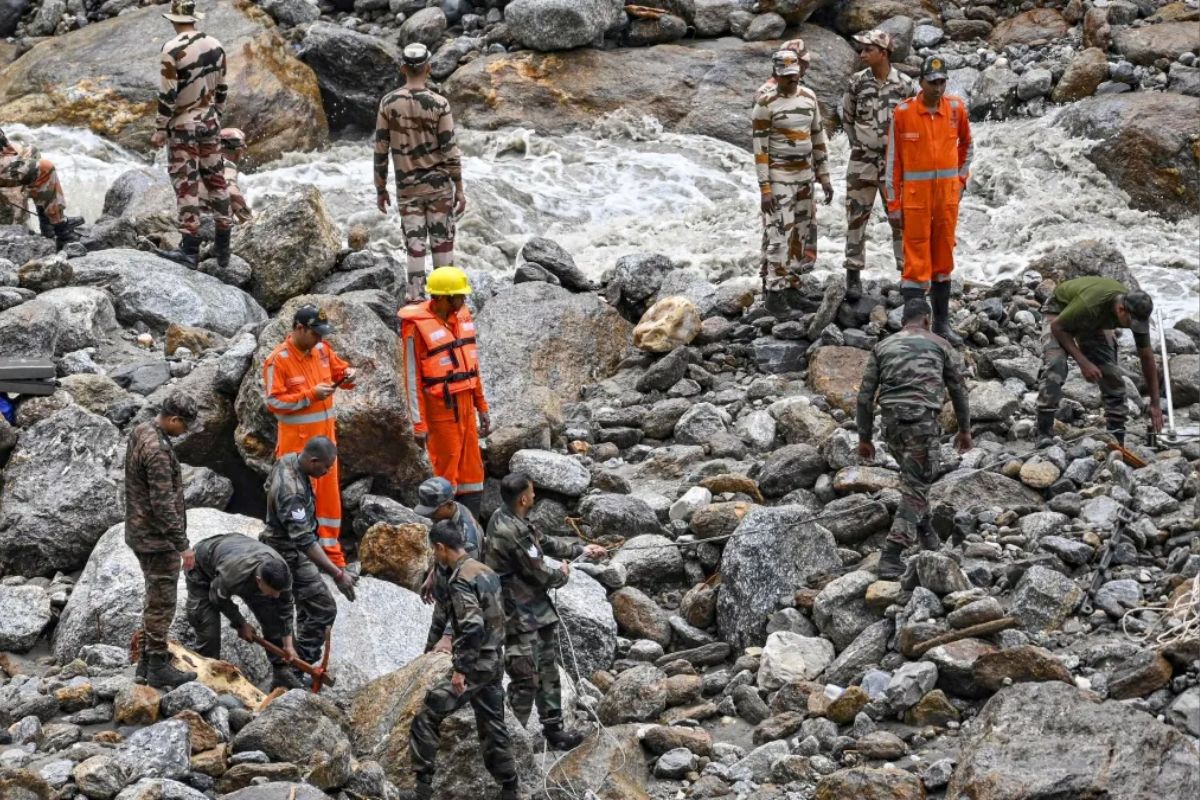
(864, 183)
(205, 619)
(428, 226)
(531, 658)
(161, 573)
(911, 434)
(37, 179)
(485, 693)
(1100, 348)
(195, 160)
(789, 236)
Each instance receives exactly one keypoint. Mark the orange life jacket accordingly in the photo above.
(449, 365)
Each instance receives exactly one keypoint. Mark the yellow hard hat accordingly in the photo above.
(447, 281)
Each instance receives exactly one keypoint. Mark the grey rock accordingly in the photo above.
(777, 355)
(162, 750)
(760, 760)
(1042, 523)
(550, 255)
(354, 70)
(867, 650)
(1043, 599)
(675, 764)
(840, 610)
(991, 402)
(292, 727)
(559, 24)
(764, 27)
(711, 17)
(26, 614)
(700, 423)
(910, 683)
(795, 466)
(203, 488)
(160, 789)
(558, 473)
(277, 790)
(940, 574)
(194, 696)
(587, 619)
(1184, 711)
(994, 94)
(665, 372)
(618, 514)
(790, 656)
(926, 36)
(650, 560)
(1072, 552)
(425, 26)
(1116, 597)
(638, 695)
(1033, 83)
(99, 777)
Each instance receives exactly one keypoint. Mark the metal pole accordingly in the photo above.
(1162, 343)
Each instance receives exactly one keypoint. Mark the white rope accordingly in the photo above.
(1177, 622)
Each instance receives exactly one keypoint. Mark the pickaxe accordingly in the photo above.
(320, 675)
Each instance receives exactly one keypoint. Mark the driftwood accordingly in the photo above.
(982, 629)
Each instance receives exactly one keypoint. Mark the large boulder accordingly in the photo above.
(62, 490)
(587, 634)
(966, 489)
(836, 372)
(292, 727)
(861, 15)
(560, 24)
(10, 15)
(1082, 258)
(290, 244)
(354, 71)
(602, 766)
(1146, 145)
(539, 345)
(773, 552)
(375, 405)
(75, 80)
(1043, 741)
(1167, 40)
(85, 316)
(106, 605)
(152, 290)
(700, 87)
(1037, 25)
(1086, 71)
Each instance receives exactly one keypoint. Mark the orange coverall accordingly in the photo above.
(444, 390)
(289, 377)
(929, 161)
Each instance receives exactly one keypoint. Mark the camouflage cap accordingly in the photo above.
(432, 495)
(1140, 306)
(934, 69)
(179, 405)
(233, 138)
(416, 55)
(183, 11)
(785, 62)
(881, 39)
(797, 47)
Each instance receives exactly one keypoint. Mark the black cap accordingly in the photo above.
(314, 319)
(934, 69)
(1140, 307)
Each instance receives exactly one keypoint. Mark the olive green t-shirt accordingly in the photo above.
(1087, 306)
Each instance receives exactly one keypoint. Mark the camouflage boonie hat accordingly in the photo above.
(785, 62)
(1140, 306)
(183, 11)
(881, 39)
(416, 54)
(180, 405)
(233, 138)
(797, 47)
(934, 69)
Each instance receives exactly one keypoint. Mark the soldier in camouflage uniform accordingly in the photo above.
(789, 152)
(1082, 316)
(469, 600)
(292, 531)
(233, 147)
(232, 565)
(191, 100)
(514, 551)
(156, 530)
(912, 371)
(437, 502)
(415, 126)
(866, 115)
(22, 168)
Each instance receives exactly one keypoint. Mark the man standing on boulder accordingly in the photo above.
(292, 531)
(929, 153)
(156, 531)
(1081, 321)
(300, 378)
(415, 125)
(442, 384)
(789, 144)
(191, 100)
(514, 551)
(468, 602)
(912, 371)
(866, 115)
(23, 167)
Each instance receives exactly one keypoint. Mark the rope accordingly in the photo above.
(1175, 622)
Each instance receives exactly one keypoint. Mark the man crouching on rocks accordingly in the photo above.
(469, 598)
(912, 372)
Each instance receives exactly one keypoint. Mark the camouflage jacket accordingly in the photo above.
(155, 514)
(514, 551)
(417, 128)
(911, 369)
(18, 164)
(226, 566)
(472, 542)
(788, 138)
(191, 86)
(291, 507)
(867, 111)
(470, 600)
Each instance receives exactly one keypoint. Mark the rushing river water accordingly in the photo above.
(627, 186)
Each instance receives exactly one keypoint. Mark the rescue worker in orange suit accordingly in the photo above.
(442, 384)
(928, 164)
(300, 378)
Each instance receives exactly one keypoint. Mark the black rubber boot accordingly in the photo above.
(221, 247)
(509, 791)
(1118, 434)
(188, 252)
(929, 538)
(794, 299)
(422, 790)
(891, 563)
(912, 293)
(44, 224)
(284, 676)
(560, 739)
(142, 667)
(65, 233)
(774, 303)
(853, 284)
(1045, 424)
(939, 299)
(160, 673)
